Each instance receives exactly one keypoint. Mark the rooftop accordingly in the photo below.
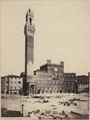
(11, 76)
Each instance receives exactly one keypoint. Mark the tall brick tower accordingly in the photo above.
(29, 30)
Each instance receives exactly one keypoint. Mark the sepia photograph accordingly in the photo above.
(45, 59)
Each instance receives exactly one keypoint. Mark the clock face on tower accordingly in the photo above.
(55, 69)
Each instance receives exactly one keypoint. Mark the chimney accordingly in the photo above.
(48, 61)
(61, 63)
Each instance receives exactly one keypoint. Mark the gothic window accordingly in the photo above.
(50, 91)
(38, 91)
(60, 91)
(15, 93)
(30, 20)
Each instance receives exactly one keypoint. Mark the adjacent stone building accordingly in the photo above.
(75, 84)
(4, 85)
(11, 84)
(70, 83)
(83, 83)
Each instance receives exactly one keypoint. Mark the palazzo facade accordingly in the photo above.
(48, 79)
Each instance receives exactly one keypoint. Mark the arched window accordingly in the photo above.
(50, 91)
(60, 91)
(38, 91)
(30, 20)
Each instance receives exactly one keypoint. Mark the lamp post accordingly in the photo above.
(22, 107)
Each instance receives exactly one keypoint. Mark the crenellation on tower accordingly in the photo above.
(29, 26)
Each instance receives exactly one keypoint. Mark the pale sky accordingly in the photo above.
(62, 34)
